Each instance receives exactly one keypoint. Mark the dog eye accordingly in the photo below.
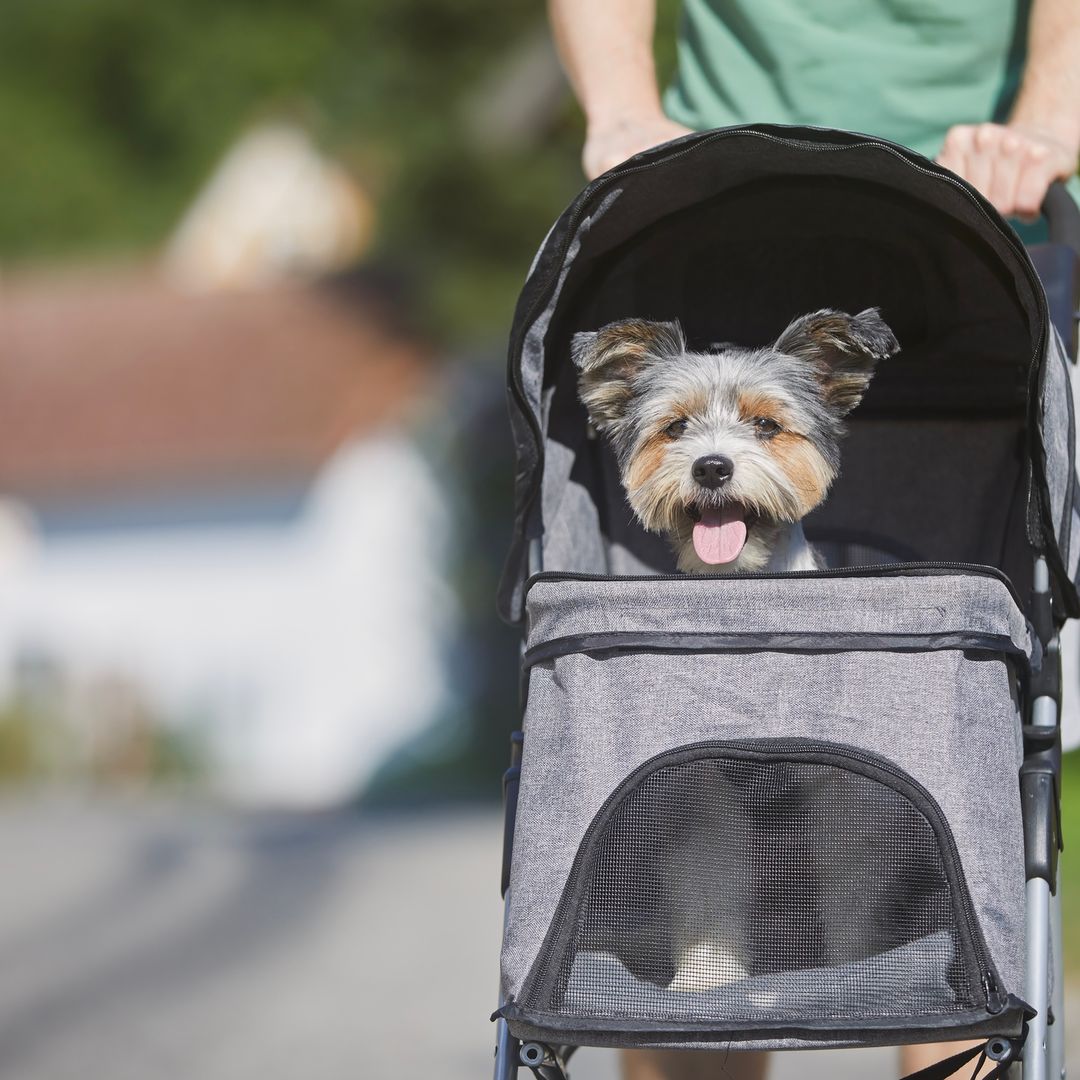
(675, 428)
(766, 427)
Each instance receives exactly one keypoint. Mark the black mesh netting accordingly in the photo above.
(758, 890)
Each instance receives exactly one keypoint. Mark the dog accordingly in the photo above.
(726, 451)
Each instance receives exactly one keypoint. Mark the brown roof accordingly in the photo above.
(122, 383)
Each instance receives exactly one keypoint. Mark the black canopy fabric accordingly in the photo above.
(963, 449)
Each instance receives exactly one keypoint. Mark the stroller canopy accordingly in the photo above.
(963, 448)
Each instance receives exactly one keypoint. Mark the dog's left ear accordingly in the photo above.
(843, 348)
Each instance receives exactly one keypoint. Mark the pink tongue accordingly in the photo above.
(720, 534)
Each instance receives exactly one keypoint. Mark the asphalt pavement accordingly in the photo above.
(151, 940)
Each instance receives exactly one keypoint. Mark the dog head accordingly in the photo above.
(720, 449)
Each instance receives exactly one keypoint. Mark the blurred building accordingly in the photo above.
(215, 521)
(276, 208)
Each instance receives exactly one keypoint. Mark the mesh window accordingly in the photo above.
(756, 890)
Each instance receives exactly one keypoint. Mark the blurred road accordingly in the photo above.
(156, 940)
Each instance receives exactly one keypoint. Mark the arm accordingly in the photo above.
(606, 49)
(1013, 164)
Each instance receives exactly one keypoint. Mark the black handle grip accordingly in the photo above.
(1062, 216)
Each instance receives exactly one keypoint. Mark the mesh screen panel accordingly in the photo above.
(756, 890)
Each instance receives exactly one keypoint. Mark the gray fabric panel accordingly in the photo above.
(574, 542)
(532, 350)
(1057, 393)
(571, 531)
(532, 358)
(572, 537)
(918, 969)
(589, 525)
(532, 372)
(946, 718)
(1073, 564)
(1074, 549)
(885, 605)
(540, 251)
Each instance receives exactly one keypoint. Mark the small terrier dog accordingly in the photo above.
(726, 451)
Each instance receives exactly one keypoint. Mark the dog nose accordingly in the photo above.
(713, 471)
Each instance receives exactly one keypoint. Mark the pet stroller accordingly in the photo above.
(835, 791)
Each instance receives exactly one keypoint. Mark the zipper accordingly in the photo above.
(1013, 241)
(875, 570)
(778, 750)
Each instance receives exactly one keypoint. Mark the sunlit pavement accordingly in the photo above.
(158, 940)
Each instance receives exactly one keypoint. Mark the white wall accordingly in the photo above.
(308, 649)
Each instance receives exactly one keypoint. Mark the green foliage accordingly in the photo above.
(667, 24)
(1069, 871)
(114, 111)
(17, 751)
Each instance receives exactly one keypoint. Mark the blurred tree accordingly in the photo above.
(113, 112)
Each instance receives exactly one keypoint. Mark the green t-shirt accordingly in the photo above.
(906, 70)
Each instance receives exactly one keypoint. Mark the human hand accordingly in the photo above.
(611, 143)
(1011, 164)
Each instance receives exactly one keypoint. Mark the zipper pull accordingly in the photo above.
(995, 999)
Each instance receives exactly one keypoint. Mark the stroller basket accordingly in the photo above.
(684, 867)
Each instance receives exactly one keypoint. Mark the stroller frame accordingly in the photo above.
(1038, 1053)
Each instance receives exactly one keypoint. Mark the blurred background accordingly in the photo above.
(258, 259)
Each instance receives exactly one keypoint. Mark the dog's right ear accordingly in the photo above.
(610, 359)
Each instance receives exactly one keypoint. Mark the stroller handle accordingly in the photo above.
(1062, 216)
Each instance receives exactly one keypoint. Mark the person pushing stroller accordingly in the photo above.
(991, 91)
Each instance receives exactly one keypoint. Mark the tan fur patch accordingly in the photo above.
(604, 398)
(752, 405)
(844, 391)
(646, 461)
(807, 470)
(613, 359)
(843, 351)
(695, 403)
(633, 339)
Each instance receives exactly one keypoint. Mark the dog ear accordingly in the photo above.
(610, 359)
(843, 348)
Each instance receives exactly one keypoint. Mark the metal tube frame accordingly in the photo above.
(507, 1048)
(1037, 982)
(1056, 1045)
(1043, 1056)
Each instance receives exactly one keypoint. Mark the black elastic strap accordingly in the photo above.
(941, 1070)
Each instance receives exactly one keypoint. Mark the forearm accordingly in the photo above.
(607, 50)
(1049, 98)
